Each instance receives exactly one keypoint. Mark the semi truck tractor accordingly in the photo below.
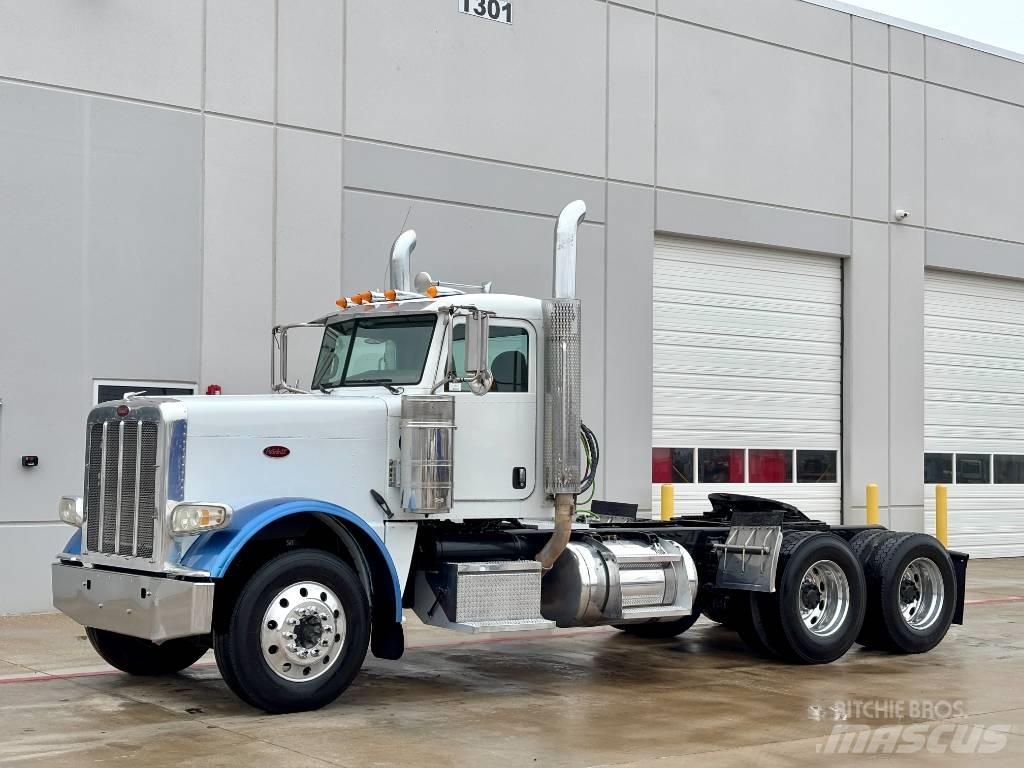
(433, 467)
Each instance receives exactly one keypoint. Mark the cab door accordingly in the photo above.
(495, 436)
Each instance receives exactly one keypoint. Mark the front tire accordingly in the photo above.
(144, 657)
(297, 634)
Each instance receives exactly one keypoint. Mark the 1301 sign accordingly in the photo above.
(495, 10)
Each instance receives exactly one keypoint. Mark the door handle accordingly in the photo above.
(519, 478)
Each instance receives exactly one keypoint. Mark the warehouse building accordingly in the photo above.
(801, 268)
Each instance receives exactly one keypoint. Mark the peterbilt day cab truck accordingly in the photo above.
(435, 465)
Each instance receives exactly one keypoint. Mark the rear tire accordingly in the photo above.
(297, 634)
(144, 657)
(912, 594)
(661, 629)
(817, 610)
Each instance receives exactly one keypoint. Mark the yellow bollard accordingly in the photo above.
(872, 503)
(668, 501)
(942, 515)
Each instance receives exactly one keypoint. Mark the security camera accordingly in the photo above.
(901, 214)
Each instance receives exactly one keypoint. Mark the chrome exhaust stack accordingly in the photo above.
(562, 384)
(401, 261)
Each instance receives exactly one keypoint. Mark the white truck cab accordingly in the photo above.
(435, 464)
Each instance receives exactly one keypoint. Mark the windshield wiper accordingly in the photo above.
(364, 383)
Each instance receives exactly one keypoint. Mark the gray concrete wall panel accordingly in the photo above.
(742, 119)
(907, 147)
(713, 218)
(906, 52)
(626, 442)
(866, 370)
(238, 247)
(422, 174)
(870, 44)
(945, 250)
(789, 23)
(240, 53)
(307, 268)
(968, 70)
(310, 58)
(531, 93)
(150, 51)
(975, 164)
(631, 95)
(870, 166)
(906, 377)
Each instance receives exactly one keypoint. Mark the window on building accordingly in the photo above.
(508, 356)
(1007, 469)
(720, 465)
(816, 466)
(769, 465)
(672, 465)
(938, 467)
(109, 390)
(972, 468)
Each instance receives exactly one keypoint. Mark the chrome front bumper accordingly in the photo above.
(150, 607)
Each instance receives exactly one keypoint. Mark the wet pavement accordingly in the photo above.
(564, 698)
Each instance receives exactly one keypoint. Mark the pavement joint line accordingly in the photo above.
(41, 676)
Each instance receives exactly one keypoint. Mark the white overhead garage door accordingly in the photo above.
(747, 375)
(974, 410)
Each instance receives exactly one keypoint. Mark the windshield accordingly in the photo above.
(374, 350)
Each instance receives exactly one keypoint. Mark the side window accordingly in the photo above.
(508, 355)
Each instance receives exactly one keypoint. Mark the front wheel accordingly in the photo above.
(297, 634)
(143, 657)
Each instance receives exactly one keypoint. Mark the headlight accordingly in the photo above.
(69, 510)
(196, 518)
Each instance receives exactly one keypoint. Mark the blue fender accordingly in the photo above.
(214, 551)
(74, 545)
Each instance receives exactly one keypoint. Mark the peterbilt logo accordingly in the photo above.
(276, 451)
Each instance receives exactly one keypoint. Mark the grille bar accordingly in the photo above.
(121, 487)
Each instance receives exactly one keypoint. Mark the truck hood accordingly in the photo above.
(288, 415)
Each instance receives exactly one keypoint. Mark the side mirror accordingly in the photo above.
(479, 376)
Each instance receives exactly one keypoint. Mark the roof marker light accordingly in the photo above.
(432, 291)
(390, 294)
(357, 299)
(342, 303)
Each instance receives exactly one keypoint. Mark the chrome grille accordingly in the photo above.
(120, 492)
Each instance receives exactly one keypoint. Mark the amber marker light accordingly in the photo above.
(342, 303)
(390, 295)
(357, 299)
(432, 291)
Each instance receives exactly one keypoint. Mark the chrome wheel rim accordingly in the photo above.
(824, 598)
(921, 593)
(303, 632)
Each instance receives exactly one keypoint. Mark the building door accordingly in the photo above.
(747, 375)
(974, 410)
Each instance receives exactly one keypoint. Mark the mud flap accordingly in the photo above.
(960, 571)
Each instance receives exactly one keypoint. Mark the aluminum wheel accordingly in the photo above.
(303, 631)
(824, 598)
(921, 593)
